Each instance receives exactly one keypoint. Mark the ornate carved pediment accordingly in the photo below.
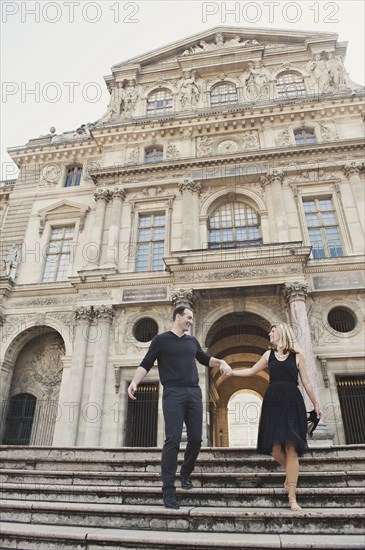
(219, 39)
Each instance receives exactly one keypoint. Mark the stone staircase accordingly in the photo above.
(92, 499)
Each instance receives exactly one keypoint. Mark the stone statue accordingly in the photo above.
(188, 90)
(131, 96)
(317, 68)
(256, 80)
(336, 71)
(11, 261)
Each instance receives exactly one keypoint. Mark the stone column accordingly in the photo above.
(275, 179)
(190, 191)
(94, 412)
(66, 429)
(112, 253)
(93, 254)
(296, 294)
(352, 171)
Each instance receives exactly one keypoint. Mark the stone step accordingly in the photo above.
(85, 454)
(59, 537)
(350, 478)
(204, 464)
(311, 497)
(63, 538)
(329, 521)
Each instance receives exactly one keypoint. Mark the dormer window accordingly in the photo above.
(159, 102)
(290, 85)
(223, 94)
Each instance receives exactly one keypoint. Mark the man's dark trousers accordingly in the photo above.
(180, 405)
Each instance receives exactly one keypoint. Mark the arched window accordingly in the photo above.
(223, 94)
(73, 176)
(159, 102)
(305, 136)
(290, 85)
(153, 154)
(234, 224)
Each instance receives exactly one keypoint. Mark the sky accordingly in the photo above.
(54, 54)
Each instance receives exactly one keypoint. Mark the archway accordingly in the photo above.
(34, 360)
(240, 338)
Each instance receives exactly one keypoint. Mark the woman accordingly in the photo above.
(283, 422)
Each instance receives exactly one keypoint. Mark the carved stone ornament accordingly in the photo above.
(133, 156)
(104, 313)
(204, 146)
(353, 168)
(84, 314)
(282, 138)
(227, 146)
(119, 194)
(219, 42)
(295, 291)
(189, 185)
(83, 218)
(172, 152)
(182, 297)
(90, 166)
(103, 194)
(51, 173)
(276, 175)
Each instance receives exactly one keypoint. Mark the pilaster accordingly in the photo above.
(104, 316)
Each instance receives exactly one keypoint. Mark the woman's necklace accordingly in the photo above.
(280, 355)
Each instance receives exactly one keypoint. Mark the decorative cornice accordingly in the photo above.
(109, 174)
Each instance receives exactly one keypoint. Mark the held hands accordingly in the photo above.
(225, 369)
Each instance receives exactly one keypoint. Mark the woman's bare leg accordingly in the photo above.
(292, 474)
(280, 456)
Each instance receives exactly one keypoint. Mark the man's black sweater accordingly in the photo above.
(175, 359)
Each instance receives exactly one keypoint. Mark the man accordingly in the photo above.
(175, 352)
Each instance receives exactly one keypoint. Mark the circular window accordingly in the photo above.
(145, 329)
(341, 319)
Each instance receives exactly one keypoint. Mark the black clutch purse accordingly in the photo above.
(312, 422)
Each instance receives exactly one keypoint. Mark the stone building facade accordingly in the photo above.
(227, 173)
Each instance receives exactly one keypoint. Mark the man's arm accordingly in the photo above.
(138, 377)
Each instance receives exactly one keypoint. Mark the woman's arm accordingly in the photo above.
(260, 365)
(302, 367)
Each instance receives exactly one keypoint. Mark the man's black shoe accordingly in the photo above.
(186, 483)
(170, 502)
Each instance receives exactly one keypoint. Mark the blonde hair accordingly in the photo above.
(288, 339)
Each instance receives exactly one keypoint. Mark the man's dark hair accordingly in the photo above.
(179, 310)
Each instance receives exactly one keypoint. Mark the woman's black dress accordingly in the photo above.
(283, 415)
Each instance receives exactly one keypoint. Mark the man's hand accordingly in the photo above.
(132, 389)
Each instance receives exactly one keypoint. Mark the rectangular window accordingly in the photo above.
(150, 242)
(322, 228)
(73, 176)
(58, 254)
